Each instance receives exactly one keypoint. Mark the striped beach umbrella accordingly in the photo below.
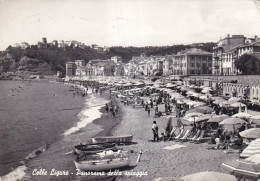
(243, 169)
(209, 176)
(254, 158)
(251, 133)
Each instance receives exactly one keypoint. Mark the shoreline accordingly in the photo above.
(102, 126)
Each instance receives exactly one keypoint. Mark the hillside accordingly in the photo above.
(50, 60)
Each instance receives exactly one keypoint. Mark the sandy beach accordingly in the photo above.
(156, 161)
(160, 162)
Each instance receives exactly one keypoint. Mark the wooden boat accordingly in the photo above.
(93, 148)
(107, 163)
(118, 139)
(102, 164)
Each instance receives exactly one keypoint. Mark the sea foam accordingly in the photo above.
(16, 174)
(90, 112)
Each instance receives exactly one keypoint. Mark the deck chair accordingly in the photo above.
(195, 136)
(185, 136)
(200, 137)
(172, 133)
(180, 134)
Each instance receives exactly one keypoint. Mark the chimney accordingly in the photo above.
(256, 37)
(228, 35)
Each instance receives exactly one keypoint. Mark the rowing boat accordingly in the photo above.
(93, 148)
(102, 164)
(118, 139)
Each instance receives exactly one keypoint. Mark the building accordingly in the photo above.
(80, 63)
(227, 57)
(167, 65)
(192, 61)
(70, 68)
(252, 48)
(224, 45)
(116, 59)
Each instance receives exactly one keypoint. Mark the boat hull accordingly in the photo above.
(102, 166)
(119, 139)
(93, 148)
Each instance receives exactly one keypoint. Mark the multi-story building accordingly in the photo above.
(192, 61)
(70, 68)
(167, 65)
(116, 59)
(80, 63)
(252, 48)
(223, 45)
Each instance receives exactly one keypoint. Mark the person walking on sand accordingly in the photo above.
(148, 110)
(155, 131)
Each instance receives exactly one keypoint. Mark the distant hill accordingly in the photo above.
(50, 60)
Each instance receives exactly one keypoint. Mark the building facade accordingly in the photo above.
(192, 61)
(70, 68)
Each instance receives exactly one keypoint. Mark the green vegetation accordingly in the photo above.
(248, 65)
(50, 59)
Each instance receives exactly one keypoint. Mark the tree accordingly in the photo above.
(248, 64)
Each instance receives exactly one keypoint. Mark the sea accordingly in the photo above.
(35, 116)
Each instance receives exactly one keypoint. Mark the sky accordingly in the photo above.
(126, 22)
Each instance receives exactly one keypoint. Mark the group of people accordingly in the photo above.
(113, 109)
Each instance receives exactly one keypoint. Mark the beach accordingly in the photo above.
(160, 162)
(55, 161)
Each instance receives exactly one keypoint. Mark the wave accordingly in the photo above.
(16, 174)
(19, 172)
(90, 112)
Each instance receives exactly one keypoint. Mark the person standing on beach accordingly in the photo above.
(148, 110)
(155, 131)
(107, 108)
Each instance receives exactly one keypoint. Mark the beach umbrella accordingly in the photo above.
(175, 119)
(194, 114)
(209, 176)
(218, 118)
(207, 109)
(243, 169)
(198, 104)
(226, 103)
(251, 133)
(232, 121)
(203, 118)
(256, 117)
(242, 115)
(234, 99)
(255, 121)
(190, 92)
(195, 111)
(218, 101)
(252, 149)
(215, 98)
(196, 95)
(206, 90)
(168, 179)
(254, 158)
(237, 104)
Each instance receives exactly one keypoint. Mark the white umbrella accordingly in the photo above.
(254, 158)
(242, 115)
